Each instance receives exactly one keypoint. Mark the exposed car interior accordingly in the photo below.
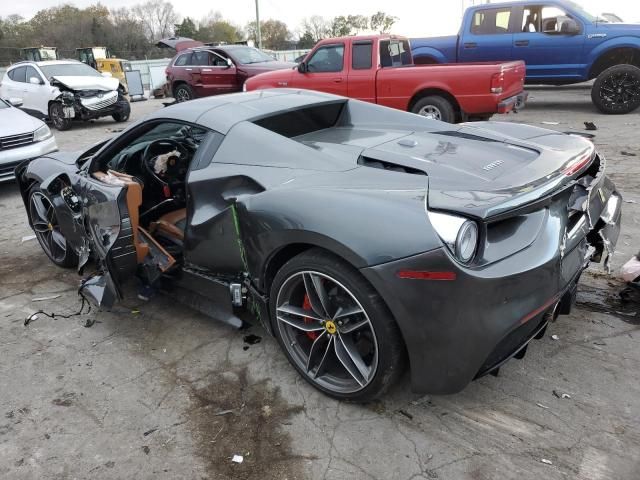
(154, 168)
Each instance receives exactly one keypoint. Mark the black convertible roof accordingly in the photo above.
(222, 112)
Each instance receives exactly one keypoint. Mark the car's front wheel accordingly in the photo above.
(334, 327)
(47, 229)
(56, 115)
(125, 111)
(617, 89)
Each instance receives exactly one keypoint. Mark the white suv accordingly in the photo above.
(61, 90)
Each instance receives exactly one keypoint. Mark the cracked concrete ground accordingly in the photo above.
(155, 390)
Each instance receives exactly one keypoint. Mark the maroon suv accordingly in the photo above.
(203, 71)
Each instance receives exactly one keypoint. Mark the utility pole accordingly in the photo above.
(258, 34)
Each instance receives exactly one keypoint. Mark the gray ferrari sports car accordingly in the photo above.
(363, 238)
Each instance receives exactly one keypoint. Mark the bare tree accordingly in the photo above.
(157, 18)
(317, 27)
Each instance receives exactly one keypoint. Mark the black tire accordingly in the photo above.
(617, 90)
(61, 256)
(56, 116)
(125, 111)
(391, 356)
(436, 107)
(183, 93)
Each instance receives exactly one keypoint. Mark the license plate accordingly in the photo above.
(69, 112)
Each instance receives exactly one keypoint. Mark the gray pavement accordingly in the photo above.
(144, 392)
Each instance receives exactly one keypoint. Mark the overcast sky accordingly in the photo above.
(416, 17)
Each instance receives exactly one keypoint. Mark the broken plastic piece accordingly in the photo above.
(27, 238)
(631, 270)
(237, 459)
(555, 337)
(542, 406)
(546, 462)
(590, 126)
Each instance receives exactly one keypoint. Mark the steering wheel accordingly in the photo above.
(153, 149)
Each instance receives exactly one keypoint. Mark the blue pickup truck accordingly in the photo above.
(560, 41)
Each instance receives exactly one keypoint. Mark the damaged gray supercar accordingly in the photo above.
(367, 240)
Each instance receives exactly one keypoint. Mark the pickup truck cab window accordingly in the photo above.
(328, 58)
(361, 55)
(491, 22)
(395, 53)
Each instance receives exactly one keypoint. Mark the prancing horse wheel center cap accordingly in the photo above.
(330, 327)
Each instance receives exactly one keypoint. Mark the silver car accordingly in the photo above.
(22, 137)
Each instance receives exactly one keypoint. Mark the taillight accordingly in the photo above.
(497, 82)
(577, 165)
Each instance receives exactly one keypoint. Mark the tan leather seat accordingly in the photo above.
(171, 224)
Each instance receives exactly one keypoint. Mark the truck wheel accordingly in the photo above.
(56, 115)
(435, 107)
(617, 89)
(183, 93)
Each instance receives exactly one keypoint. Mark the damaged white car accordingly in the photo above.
(64, 90)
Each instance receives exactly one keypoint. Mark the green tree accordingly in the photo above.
(275, 34)
(187, 28)
(306, 40)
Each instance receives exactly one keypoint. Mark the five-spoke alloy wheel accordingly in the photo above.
(334, 328)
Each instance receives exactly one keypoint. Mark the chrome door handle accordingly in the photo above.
(188, 69)
(207, 70)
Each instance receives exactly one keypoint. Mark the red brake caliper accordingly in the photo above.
(306, 305)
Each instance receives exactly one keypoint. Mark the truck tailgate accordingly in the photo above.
(513, 78)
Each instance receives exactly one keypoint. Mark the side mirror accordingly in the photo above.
(35, 81)
(229, 63)
(107, 74)
(570, 27)
(302, 67)
(16, 102)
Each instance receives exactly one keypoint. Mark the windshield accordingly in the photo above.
(3, 104)
(590, 15)
(69, 70)
(247, 55)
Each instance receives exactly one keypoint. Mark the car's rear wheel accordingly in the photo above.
(56, 115)
(617, 90)
(47, 229)
(334, 328)
(183, 93)
(435, 107)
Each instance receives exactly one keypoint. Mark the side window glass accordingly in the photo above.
(531, 20)
(553, 19)
(31, 72)
(491, 21)
(327, 59)
(218, 61)
(361, 56)
(200, 58)
(19, 74)
(182, 60)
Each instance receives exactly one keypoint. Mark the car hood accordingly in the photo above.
(68, 158)
(88, 83)
(488, 168)
(14, 121)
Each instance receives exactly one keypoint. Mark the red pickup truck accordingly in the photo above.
(380, 69)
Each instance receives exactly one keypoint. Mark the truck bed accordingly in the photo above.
(471, 82)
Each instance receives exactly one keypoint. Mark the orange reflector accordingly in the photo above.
(418, 275)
